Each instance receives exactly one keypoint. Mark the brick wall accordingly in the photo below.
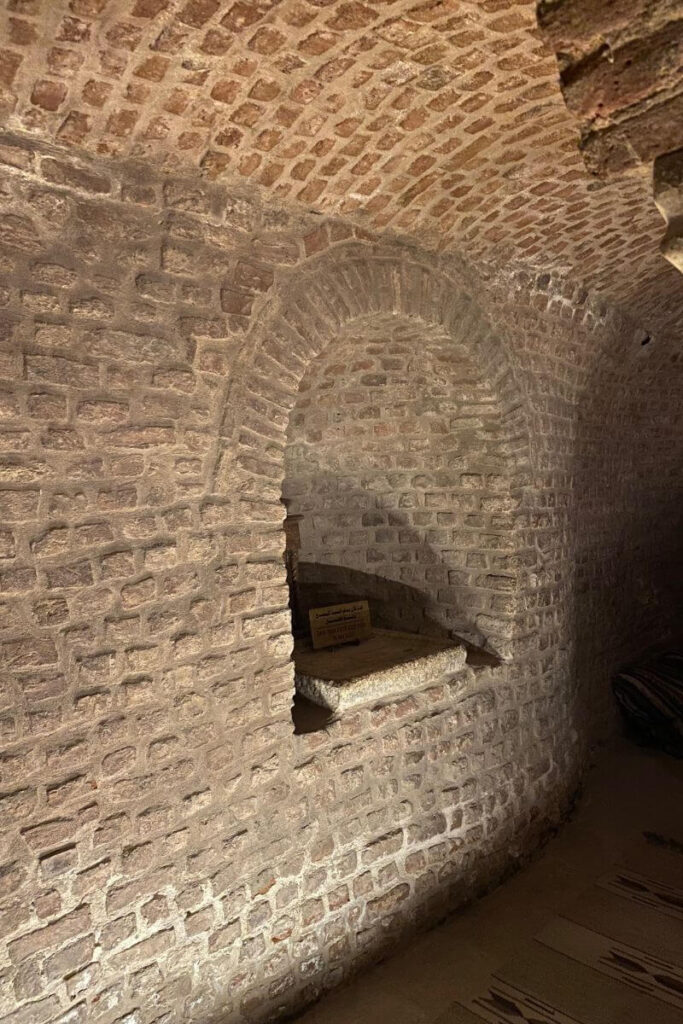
(169, 850)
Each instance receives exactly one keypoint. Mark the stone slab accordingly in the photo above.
(390, 663)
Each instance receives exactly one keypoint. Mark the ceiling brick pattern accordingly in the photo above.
(441, 119)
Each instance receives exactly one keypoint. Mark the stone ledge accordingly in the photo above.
(389, 664)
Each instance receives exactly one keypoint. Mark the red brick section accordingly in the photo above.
(169, 850)
(441, 120)
(621, 74)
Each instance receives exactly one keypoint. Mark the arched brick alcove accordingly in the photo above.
(307, 310)
(400, 465)
(350, 287)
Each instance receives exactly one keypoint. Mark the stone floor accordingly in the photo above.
(447, 976)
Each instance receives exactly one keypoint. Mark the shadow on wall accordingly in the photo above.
(393, 605)
(472, 579)
(628, 544)
(467, 582)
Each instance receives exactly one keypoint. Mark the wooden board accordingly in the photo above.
(340, 624)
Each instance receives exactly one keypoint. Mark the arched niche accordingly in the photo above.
(344, 294)
(400, 467)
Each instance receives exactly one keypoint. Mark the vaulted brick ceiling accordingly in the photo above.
(440, 119)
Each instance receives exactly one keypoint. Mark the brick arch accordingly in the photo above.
(305, 313)
(308, 311)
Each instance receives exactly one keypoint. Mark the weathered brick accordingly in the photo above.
(224, 938)
(131, 892)
(9, 65)
(78, 574)
(67, 927)
(199, 921)
(64, 173)
(383, 905)
(69, 959)
(48, 95)
(116, 932)
(383, 847)
(57, 370)
(26, 653)
(134, 348)
(35, 1012)
(155, 910)
(135, 594)
(58, 862)
(140, 437)
(602, 85)
(146, 949)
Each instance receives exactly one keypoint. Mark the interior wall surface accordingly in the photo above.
(168, 848)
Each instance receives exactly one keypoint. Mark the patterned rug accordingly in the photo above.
(616, 957)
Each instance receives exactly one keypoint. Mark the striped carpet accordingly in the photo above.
(650, 696)
(615, 957)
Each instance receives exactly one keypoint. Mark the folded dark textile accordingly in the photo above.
(650, 697)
